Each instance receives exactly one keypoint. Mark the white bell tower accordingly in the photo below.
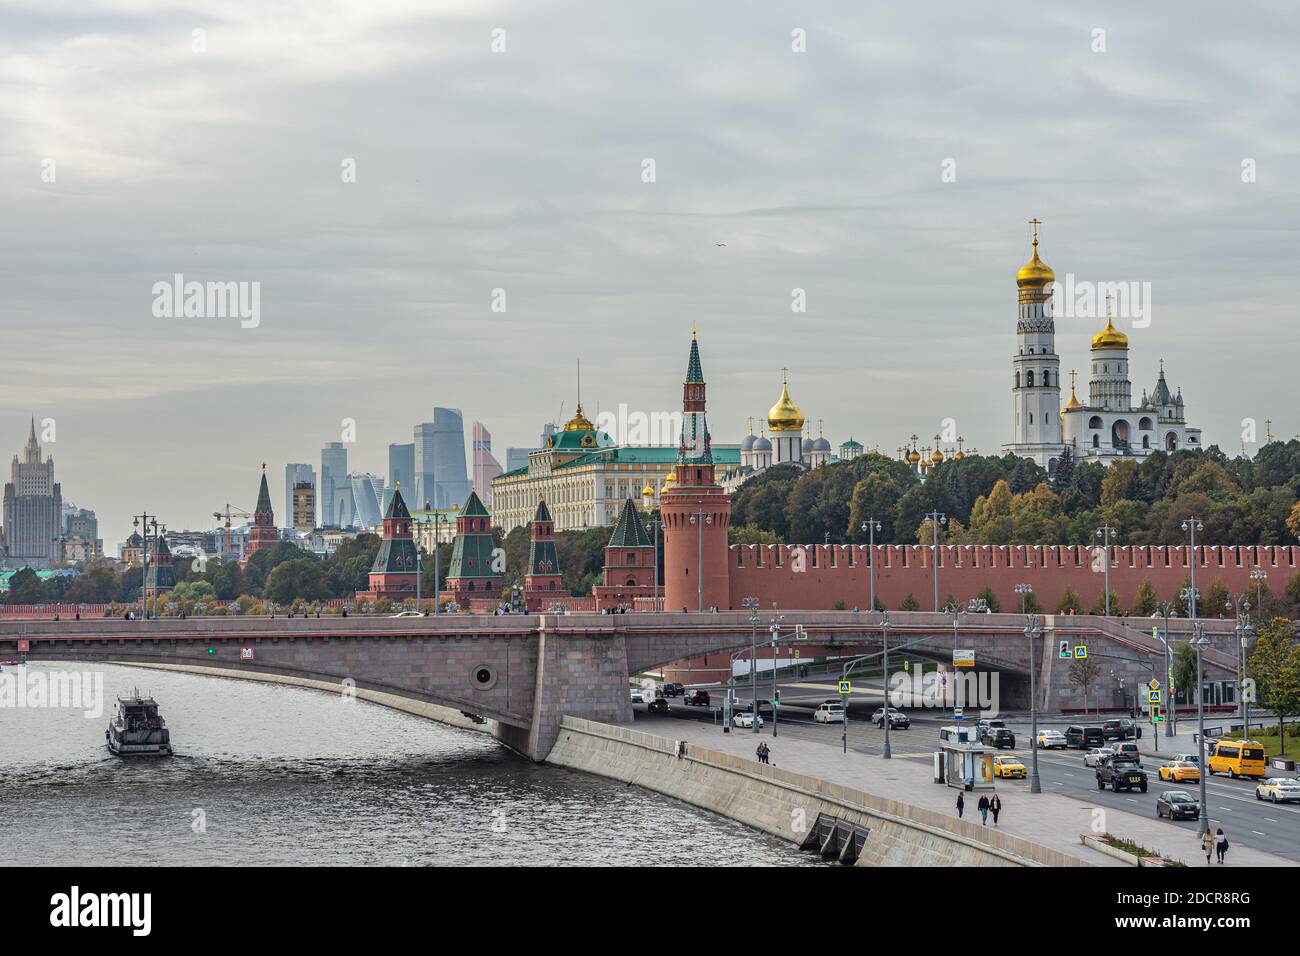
(1036, 368)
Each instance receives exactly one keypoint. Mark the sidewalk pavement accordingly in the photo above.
(1049, 819)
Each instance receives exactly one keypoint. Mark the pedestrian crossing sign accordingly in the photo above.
(1081, 651)
(1153, 697)
(846, 687)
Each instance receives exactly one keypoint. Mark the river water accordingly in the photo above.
(266, 774)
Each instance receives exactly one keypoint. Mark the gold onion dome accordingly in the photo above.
(1109, 338)
(1035, 273)
(785, 415)
(579, 422)
(672, 477)
(937, 456)
(914, 456)
(649, 490)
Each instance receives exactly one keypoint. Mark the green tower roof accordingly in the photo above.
(474, 508)
(397, 507)
(263, 497)
(629, 532)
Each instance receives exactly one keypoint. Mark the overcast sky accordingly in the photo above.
(522, 170)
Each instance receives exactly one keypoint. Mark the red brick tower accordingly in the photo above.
(542, 582)
(264, 535)
(629, 562)
(393, 573)
(696, 511)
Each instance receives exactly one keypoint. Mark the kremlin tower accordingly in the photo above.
(264, 535)
(1036, 368)
(396, 565)
(543, 582)
(696, 511)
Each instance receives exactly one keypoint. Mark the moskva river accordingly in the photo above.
(276, 776)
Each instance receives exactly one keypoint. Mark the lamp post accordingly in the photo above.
(871, 526)
(752, 604)
(955, 611)
(1241, 609)
(936, 518)
(1259, 576)
(700, 519)
(1032, 634)
(1191, 526)
(1171, 717)
(776, 635)
(647, 496)
(1104, 532)
(145, 522)
(884, 635)
(1199, 642)
(1024, 590)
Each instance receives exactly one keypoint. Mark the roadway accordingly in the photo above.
(1272, 828)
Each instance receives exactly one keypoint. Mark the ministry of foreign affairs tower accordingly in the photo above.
(696, 511)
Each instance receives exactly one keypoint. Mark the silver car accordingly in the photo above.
(746, 719)
(1096, 755)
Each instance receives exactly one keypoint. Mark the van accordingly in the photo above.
(1084, 738)
(1237, 758)
(829, 713)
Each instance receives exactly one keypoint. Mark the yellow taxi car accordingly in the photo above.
(1180, 771)
(1006, 765)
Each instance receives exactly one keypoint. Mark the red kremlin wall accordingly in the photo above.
(834, 573)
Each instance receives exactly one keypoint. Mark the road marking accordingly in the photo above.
(1270, 820)
(1260, 832)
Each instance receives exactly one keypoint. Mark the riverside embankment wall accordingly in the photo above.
(787, 804)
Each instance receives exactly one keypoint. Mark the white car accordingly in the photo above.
(746, 720)
(1051, 739)
(829, 714)
(407, 614)
(639, 696)
(1096, 755)
(1278, 789)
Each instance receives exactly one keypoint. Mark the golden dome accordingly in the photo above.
(959, 456)
(1109, 338)
(649, 490)
(579, 422)
(785, 415)
(1035, 273)
(914, 456)
(672, 477)
(937, 456)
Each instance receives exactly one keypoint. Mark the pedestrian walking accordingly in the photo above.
(758, 753)
(1207, 844)
(995, 807)
(961, 804)
(767, 754)
(1220, 844)
(984, 810)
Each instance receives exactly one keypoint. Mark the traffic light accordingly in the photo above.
(212, 650)
(777, 695)
(1156, 716)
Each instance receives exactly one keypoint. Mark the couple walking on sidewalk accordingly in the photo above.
(762, 752)
(985, 806)
(1216, 842)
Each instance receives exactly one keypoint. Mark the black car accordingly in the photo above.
(1178, 805)
(1084, 738)
(998, 737)
(660, 705)
(1121, 728)
(1121, 774)
(697, 698)
(674, 690)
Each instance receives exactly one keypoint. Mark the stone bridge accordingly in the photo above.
(523, 673)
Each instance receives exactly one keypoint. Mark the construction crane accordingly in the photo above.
(227, 515)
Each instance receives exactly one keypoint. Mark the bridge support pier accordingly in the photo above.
(579, 675)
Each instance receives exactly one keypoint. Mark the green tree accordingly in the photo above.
(1274, 666)
(1144, 604)
(300, 578)
(1184, 668)
(1069, 602)
(25, 587)
(988, 595)
(909, 604)
(751, 534)
(1083, 673)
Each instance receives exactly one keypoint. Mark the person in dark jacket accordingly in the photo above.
(961, 803)
(995, 807)
(984, 810)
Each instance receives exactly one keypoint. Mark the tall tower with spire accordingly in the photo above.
(396, 564)
(542, 582)
(33, 510)
(696, 511)
(1035, 368)
(264, 535)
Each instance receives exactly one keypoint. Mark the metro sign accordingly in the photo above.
(246, 652)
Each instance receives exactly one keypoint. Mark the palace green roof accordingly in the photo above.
(646, 455)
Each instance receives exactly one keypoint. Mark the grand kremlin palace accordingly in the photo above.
(585, 478)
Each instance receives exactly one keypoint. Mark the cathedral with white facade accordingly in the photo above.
(1108, 427)
(788, 444)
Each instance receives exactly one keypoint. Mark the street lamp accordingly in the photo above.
(1104, 532)
(1191, 526)
(149, 522)
(936, 518)
(1199, 642)
(1168, 608)
(884, 634)
(1259, 576)
(776, 635)
(647, 496)
(1032, 633)
(1241, 609)
(871, 526)
(1024, 590)
(955, 611)
(752, 605)
(700, 519)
